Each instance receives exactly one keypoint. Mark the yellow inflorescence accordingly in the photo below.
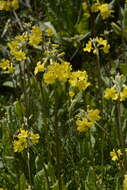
(57, 71)
(104, 9)
(97, 43)
(6, 65)
(87, 119)
(112, 93)
(115, 155)
(24, 140)
(16, 45)
(8, 5)
(39, 68)
(79, 79)
(35, 37)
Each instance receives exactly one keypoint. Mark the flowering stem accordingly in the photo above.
(120, 136)
(28, 163)
(57, 139)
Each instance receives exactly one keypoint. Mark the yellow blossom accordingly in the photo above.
(8, 5)
(96, 43)
(50, 32)
(15, 4)
(39, 68)
(20, 145)
(79, 79)
(83, 125)
(2, 5)
(88, 47)
(4, 64)
(123, 94)
(71, 93)
(104, 10)
(93, 115)
(19, 55)
(23, 134)
(35, 37)
(57, 71)
(34, 138)
(111, 93)
(87, 119)
(95, 7)
(115, 154)
(23, 140)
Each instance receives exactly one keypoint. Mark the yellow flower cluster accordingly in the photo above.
(87, 119)
(115, 155)
(6, 65)
(104, 9)
(39, 68)
(35, 37)
(95, 43)
(24, 139)
(16, 45)
(112, 93)
(9, 5)
(57, 71)
(125, 182)
(79, 79)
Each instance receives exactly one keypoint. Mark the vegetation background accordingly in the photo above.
(60, 61)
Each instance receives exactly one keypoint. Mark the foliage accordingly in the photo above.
(63, 109)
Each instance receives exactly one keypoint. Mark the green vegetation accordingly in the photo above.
(63, 95)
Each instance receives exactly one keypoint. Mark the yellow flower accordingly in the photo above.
(50, 32)
(2, 5)
(84, 6)
(83, 125)
(93, 115)
(23, 134)
(34, 138)
(95, 7)
(71, 93)
(15, 4)
(87, 119)
(19, 55)
(96, 43)
(8, 5)
(104, 10)
(79, 79)
(4, 64)
(23, 140)
(35, 37)
(57, 71)
(115, 154)
(39, 68)
(125, 182)
(22, 38)
(13, 45)
(88, 47)
(103, 43)
(123, 94)
(20, 145)
(111, 93)
(106, 48)
(11, 68)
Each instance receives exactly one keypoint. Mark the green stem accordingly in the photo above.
(57, 139)
(121, 137)
(28, 163)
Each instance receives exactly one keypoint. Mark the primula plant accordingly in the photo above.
(63, 108)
